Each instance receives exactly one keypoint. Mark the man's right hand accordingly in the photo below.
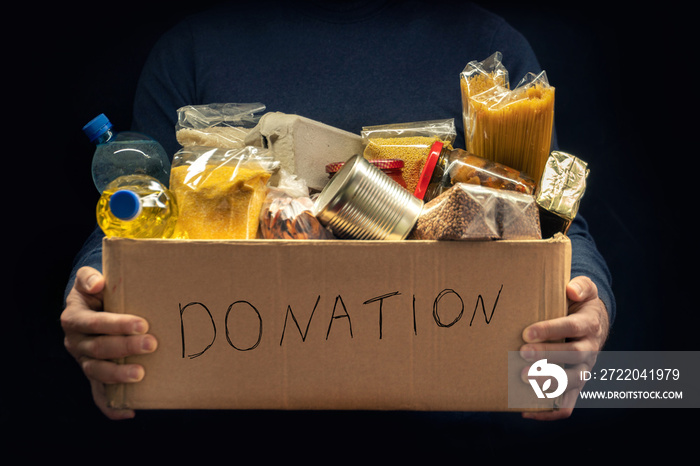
(95, 338)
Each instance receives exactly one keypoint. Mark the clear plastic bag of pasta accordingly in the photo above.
(509, 126)
(410, 142)
(287, 212)
(220, 192)
(223, 125)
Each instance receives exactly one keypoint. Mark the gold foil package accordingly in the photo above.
(559, 192)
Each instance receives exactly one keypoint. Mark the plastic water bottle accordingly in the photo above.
(124, 153)
(137, 206)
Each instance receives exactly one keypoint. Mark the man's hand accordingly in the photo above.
(584, 329)
(95, 338)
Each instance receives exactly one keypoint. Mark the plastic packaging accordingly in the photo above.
(222, 125)
(410, 142)
(446, 167)
(560, 192)
(518, 216)
(509, 126)
(287, 212)
(472, 212)
(220, 192)
(137, 206)
(124, 153)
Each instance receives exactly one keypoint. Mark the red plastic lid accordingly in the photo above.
(384, 164)
(427, 173)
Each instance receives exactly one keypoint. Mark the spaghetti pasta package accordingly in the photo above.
(509, 126)
(410, 142)
(220, 192)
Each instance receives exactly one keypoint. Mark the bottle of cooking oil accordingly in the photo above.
(137, 206)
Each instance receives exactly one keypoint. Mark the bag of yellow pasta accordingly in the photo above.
(509, 126)
(220, 191)
(410, 142)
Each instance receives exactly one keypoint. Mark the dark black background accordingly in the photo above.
(624, 101)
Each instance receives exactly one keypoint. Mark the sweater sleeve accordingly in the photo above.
(587, 261)
(89, 255)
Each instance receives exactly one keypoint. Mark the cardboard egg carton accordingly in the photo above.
(303, 146)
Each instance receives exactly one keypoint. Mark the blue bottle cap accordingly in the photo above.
(125, 204)
(97, 126)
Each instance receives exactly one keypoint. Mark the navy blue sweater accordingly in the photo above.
(348, 65)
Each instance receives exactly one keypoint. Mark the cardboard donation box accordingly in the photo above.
(339, 324)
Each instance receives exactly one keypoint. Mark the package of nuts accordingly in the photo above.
(287, 212)
(472, 212)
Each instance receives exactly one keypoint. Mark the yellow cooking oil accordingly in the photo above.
(137, 206)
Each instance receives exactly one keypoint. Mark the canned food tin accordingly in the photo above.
(362, 202)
